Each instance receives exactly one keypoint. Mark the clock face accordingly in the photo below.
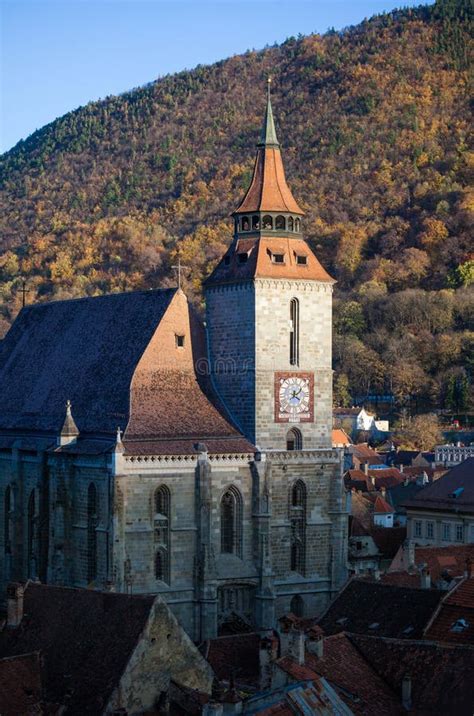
(293, 397)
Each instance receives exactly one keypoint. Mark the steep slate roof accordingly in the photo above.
(115, 357)
(441, 676)
(84, 350)
(440, 494)
(85, 637)
(398, 612)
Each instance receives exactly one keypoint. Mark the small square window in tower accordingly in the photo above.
(179, 341)
(301, 259)
(278, 258)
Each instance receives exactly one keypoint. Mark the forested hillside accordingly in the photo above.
(374, 125)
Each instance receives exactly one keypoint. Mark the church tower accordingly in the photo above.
(269, 314)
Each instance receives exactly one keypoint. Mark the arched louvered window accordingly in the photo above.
(297, 511)
(297, 225)
(294, 439)
(297, 606)
(267, 222)
(245, 223)
(231, 522)
(256, 222)
(280, 223)
(92, 507)
(162, 518)
(290, 223)
(294, 331)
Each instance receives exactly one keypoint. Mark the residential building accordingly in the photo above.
(443, 512)
(450, 455)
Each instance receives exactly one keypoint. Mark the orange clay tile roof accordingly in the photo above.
(259, 263)
(340, 437)
(382, 506)
(456, 610)
(268, 190)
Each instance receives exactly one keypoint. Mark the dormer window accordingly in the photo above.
(242, 258)
(278, 258)
(179, 341)
(301, 259)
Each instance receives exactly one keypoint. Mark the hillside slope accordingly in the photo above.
(374, 125)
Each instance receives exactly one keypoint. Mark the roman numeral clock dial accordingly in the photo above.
(294, 397)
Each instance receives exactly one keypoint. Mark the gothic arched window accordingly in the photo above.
(290, 223)
(32, 535)
(297, 225)
(162, 505)
(231, 522)
(297, 606)
(256, 222)
(280, 223)
(267, 222)
(294, 331)
(294, 439)
(297, 511)
(245, 223)
(91, 533)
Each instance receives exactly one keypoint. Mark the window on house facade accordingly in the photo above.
(91, 533)
(231, 522)
(294, 331)
(298, 527)
(294, 439)
(162, 518)
(179, 341)
(446, 531)
(417, 527)
(430, 530)
(459, 533)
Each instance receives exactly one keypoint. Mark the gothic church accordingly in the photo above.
(146, 452)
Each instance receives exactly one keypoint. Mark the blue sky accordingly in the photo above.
(56, 55)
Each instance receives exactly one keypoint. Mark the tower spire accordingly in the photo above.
(268, 135)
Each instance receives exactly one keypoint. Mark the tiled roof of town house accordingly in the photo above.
(441, 676)
(349, 674)
(85, 637)
(116, 359)
(340, 438)
(268, 190)
(442, 562)
(382, 506)
(235, 655)
(388, 539)
(382, 610)
(20, 686)
(453, 491)
(454, 619)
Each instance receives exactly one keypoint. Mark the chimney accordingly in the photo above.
(366, 468)
(296, 645)
(383, 490)
(15, 597)
(409, 556)
(372, 480)
(425, 578)
(377, 574)
(316, 646)
(406, 692)
(400, 467)
(469, 572)
(267, 654)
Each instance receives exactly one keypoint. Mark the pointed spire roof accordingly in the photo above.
(69, 430)
(268, 190)
(268, 135)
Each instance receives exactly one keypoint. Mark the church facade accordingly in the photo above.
(146, 452)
